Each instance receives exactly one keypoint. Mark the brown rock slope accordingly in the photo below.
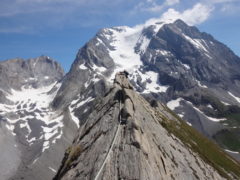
(125, 137)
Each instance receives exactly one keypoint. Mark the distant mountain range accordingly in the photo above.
(169, 63)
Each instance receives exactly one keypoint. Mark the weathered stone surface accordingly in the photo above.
(201, 73)
(35, 72)
(140, 148)
(32, 145)
(178, 61)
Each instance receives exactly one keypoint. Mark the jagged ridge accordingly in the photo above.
(168, 61)
(125, 138)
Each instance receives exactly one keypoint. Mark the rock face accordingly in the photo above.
(127, 138)
(190, 71)
(33, 135)
(203, 79)
(41, 109)
(18, 73)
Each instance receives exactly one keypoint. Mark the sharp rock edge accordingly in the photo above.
(124, 138)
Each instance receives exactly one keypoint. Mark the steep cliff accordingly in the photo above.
(125, 137)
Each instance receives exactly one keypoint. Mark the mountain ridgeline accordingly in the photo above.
(127, 138)
(161, 119)
(195, 75)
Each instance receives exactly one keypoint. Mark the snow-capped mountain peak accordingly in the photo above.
(41, 110)
(166, 60)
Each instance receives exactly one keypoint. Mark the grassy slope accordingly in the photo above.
(230, 137)
(208, 151)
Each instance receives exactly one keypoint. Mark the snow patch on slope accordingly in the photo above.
(200, 85)
(227, 104)
(98, 68)
(82, 66)
(124, 41)
(80, 101)
(200, 44)
(186, 66)
(126, 45)
(189, 123)
(235, 97)
(208, 117)
(39, 95)
(151, 79)
(157, 23)
(74, 118)
(164, 53)
(173, 104)
(51, 134)
(196, 42)
(53, 170)
(210, 106)
(33, 105)
(144, 42)
(234, 152)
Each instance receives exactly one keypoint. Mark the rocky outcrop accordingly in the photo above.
(190, 71)
(33, 136)
(169, 62)
(35, 72)
(86, 75)
(126, 138)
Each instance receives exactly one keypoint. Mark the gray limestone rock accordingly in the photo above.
(35, 72)
(139, 148)
(33, 135)
(179, 64)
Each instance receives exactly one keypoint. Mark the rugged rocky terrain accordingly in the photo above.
(194, 74)
(170, 62)
(33, 135)
(127, 138)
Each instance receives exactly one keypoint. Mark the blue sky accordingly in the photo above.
(58, 28)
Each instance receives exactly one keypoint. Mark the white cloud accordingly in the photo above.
(171, 2)
(224, 7)
(227, 6)
(220, 1)
(230, 9)
(196, 15)
(192, 16)
(154, 6)
(36, 15)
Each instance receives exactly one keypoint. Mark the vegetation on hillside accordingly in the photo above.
(210, 152)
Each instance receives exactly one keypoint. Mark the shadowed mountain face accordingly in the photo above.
(169, 62)
(127, 138)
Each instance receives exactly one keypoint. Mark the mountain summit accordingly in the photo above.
(31, 131)
(196, 76)
(127, 138)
